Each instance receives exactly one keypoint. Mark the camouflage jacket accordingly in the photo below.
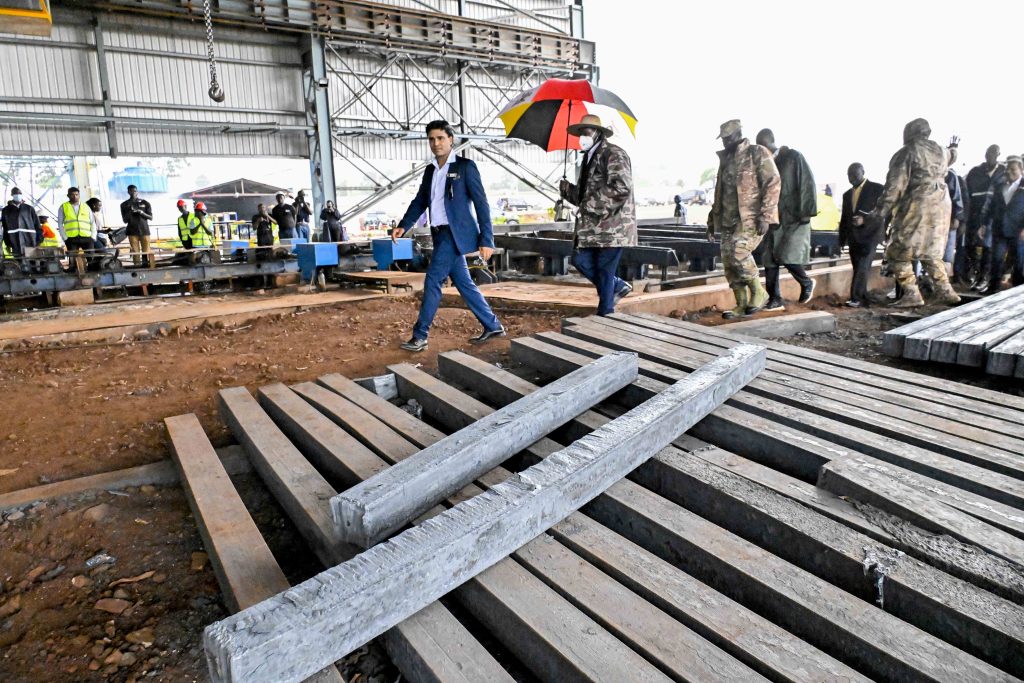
(607, 215)
(915, 191)
(747, 189)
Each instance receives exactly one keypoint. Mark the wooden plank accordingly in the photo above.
(974, 351)
(246, 569)
(966, 442)
(161, 473)
(951, 407)
(858, 478)
(936, 342)
(541, 632)
(283, 638)
(1006, 406)
(757, 642)
(817, 440)
(408, 427)
(893, 341)
(918, 593)
(374, 509)
(811, 322)
(330, 448)
(850, 629)
(431, 645)
(1002, 358)
(946, 348)
(784, 394)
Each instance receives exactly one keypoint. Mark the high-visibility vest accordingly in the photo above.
(50, 238)
(183, 226)
(7, 252)
(79, 225)
(201, 239)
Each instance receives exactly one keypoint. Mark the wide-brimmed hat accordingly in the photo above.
(589, 121)
(1014, 159)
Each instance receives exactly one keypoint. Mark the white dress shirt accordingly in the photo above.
(1010, 190)
(438, 214)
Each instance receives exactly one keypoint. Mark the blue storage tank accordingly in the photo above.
(146, 178)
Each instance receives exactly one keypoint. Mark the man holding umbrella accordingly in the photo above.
(607, 217)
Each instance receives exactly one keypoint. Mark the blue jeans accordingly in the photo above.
(448, 262)
(598, 264)
(302, 230)
(1007, 248)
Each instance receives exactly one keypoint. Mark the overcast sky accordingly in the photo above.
(835, 81)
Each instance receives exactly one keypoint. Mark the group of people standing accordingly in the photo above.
(925, 214)
(79, 225)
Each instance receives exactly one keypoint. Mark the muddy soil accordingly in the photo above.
(80, 411)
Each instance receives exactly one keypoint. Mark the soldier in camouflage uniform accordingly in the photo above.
(917, 198)
(607, 217)
(746, 206)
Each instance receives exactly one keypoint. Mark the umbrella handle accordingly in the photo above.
(565, 161)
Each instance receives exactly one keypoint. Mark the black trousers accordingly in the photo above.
(861, 256)
(771, 279)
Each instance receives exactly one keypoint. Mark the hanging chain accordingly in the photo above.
(216, 92)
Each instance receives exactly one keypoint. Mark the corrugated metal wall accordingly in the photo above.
(158, 77)
(158, 74)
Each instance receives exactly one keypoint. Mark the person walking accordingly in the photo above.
(978, 237)
(450, 187)
(862, 237)
(745, 207)
(789, 244)
(136, 214)
(606, 221)
(1004, 211)
(916, 198)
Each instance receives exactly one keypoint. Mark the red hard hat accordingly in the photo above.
(200, 206)
(181, 203)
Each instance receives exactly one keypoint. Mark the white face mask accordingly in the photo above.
(586, 142)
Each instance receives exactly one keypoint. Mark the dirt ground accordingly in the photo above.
(139, 615)
(79, 411)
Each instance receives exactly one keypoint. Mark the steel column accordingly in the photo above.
(318, 115)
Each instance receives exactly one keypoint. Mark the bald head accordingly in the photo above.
(766, 138)
(855, 173)
(992, 155)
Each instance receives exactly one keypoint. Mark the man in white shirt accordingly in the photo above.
(1005, 209)
(450, 187)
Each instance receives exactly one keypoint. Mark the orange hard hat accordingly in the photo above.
(200, 206)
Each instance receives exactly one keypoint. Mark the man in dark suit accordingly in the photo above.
(449, 186)
(1004, 211)
(861, 236)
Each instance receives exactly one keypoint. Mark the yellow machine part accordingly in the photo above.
(25, 17)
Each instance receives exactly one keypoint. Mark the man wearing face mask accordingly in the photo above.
(1004, 210)
(21, 227)
(746, 205)
(916, 198)
(607, 218)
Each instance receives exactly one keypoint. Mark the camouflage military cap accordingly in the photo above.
(729, 128)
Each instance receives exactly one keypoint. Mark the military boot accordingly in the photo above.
(911, 298)
(741, 303)
(946, 295)
(758, 296)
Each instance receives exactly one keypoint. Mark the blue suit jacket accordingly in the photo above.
(462, 188)
(1007, 219)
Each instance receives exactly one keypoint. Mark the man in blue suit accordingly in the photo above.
(1004, 210)
(449, 186)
